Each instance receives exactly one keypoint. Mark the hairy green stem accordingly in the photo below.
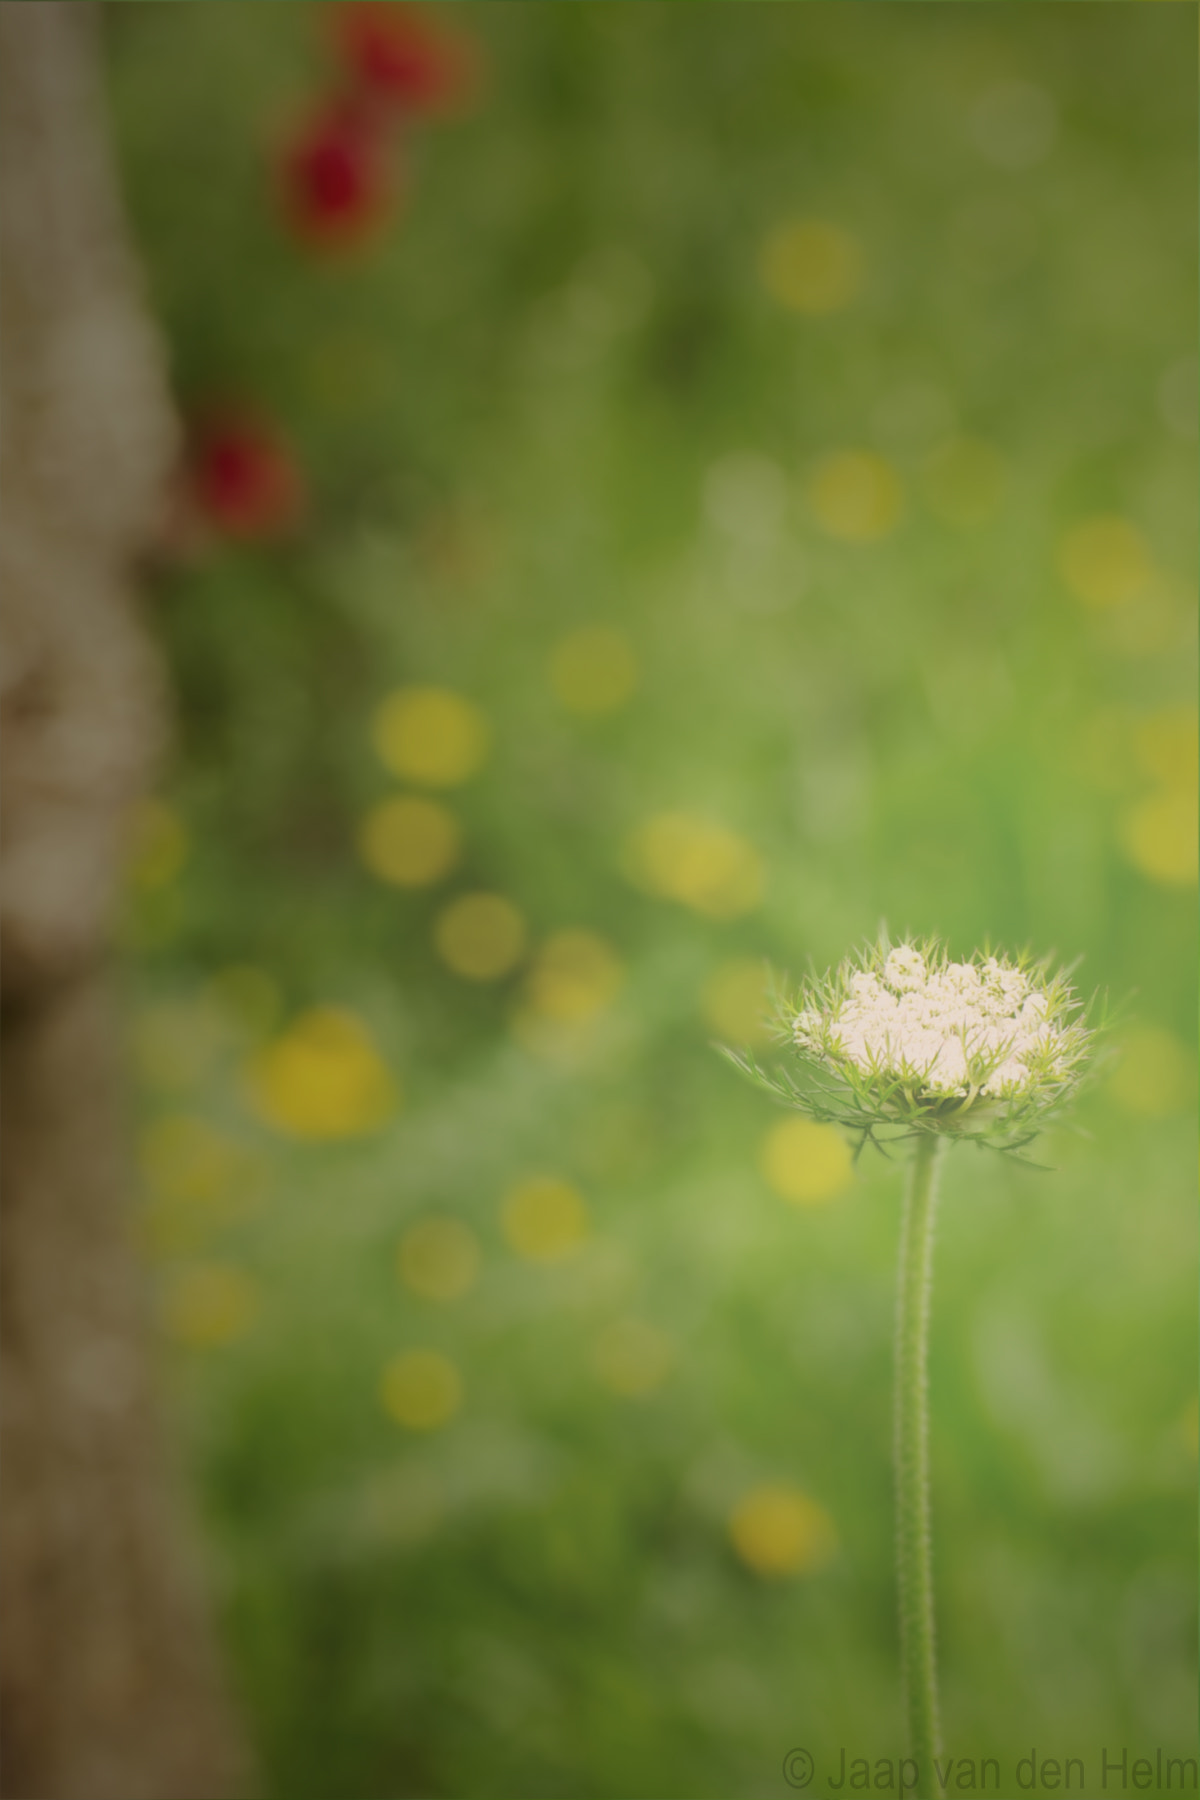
(913, 1542)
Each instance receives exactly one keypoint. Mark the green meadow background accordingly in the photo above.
(750, 497)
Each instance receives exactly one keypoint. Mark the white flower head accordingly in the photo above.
(901, 1036)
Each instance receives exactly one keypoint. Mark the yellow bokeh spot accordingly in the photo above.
(480, 936)
(574, 977)
(806, 1162)
(1156, 1075)
(421, 1389)
(734, 1000)
(409, 841)
(632, 1357)
(1160, 838)
(208, 1305)
(1166, 746)
(778, 1530)
(811, 266)
(438, 1259)
(1189, 1426)
(323, 1078)
(197, 1180)
(1157, 619)
(184, 1158)
(1105, 561)
(431, 735)
(593, 671)
(175, 1043)
(159, 846)
(544, 1218)
(249, 997)
(964, 481)
(679, 856)
(856, 496)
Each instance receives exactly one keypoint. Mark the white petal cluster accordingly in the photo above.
(946, 1029)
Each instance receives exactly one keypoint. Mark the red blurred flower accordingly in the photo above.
(338, 181)
(403, 57)
(244, 477)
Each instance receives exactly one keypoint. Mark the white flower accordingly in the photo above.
(901, 1039)
(918, 1036)
(905, 969)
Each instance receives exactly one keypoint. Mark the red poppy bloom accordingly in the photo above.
(244, 478)
(338, 182)
(403, 57)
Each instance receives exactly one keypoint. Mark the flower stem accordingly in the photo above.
(913, 1541)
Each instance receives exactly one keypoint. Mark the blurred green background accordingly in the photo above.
(746, 492)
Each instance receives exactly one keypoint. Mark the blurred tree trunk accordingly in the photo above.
(108, 1682)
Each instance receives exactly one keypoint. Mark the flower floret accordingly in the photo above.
(808, 1028)
(904, 969)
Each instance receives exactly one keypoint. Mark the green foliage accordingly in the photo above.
(561, 394)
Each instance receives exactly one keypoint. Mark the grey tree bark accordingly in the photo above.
(109, 1686)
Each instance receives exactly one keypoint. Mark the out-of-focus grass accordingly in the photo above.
(774, 433)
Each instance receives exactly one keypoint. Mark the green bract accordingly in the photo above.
(903, 1040)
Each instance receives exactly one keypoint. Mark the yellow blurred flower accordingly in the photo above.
(778, 1530)
(964, 481)
(593, 671)
(811, 266)
(1158, 831)
(323, 1078)
(856, 496)
(409, 841)
(1156, 1075)
(209, 1304)
(183, 1157)
(480, 936)
(1157, 618)
(544, 1218)
(175, 1043)
(1159, 836)
(421, 1389)
(159, 846)
(805, 1162)
(1104, 560)
(734, 1000)
(431, 735)
(438, 1259)
(680, 856)
(632, 1357)
(1166, 746)
(249, 997)
(197, 1179)
(575, 976)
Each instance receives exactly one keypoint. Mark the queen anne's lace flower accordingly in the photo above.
(903, 1036)
(947, 1030)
